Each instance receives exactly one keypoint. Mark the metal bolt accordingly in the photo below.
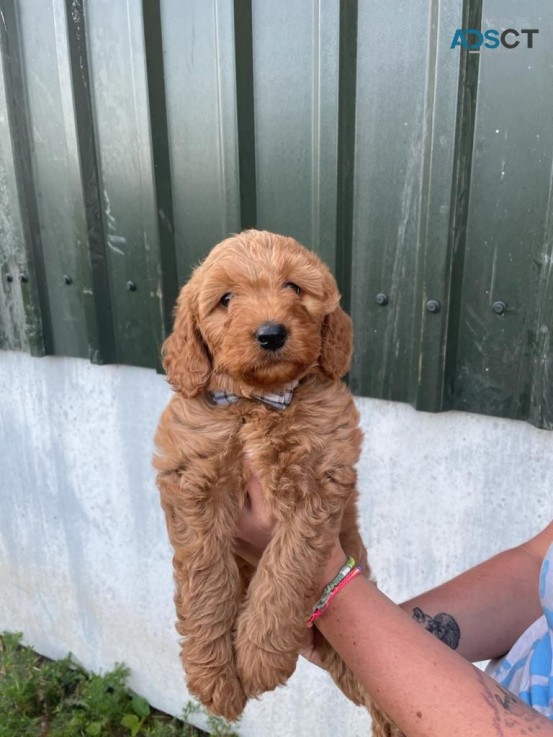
(67, 279)
(433, 305)
(382, 299)
(499, 307)
(23, 278)
(9, 277)
(131, 286)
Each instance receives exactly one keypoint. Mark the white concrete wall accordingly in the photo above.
(84, 561)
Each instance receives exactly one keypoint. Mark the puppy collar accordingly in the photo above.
(277, 400)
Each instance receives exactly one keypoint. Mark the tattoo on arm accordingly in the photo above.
(510, 702)
(510, 714)
(443, 626)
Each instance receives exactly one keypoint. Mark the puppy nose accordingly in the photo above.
(271, 336)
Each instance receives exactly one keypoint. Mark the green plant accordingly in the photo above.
(44, 698)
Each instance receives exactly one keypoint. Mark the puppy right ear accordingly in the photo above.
(185, 358)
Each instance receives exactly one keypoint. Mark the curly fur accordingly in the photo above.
(243, 627)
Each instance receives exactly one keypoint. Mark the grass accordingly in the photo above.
(45, 698)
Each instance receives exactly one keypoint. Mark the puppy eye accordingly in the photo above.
(291, 285)
(225, 299)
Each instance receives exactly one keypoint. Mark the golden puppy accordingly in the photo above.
(256, 356)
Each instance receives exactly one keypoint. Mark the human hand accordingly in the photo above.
(253, 534)
(255, 530)
(255, 524)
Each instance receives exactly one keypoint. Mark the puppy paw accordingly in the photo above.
(352, 689)
(262, 670)
(211, 675)
(340, 673)
(221, 693)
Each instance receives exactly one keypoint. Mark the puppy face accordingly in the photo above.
(260, 309)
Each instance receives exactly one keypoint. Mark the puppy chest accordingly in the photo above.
(308, 436)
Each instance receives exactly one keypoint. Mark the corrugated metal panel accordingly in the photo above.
(504, 360)
(25, 310)
(198, 43)
(136, 134)
(118, 84)
(407, 110)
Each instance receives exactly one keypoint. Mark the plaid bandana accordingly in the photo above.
(276, 400)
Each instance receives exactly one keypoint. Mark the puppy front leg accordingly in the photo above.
(272, 625)
(207, 593)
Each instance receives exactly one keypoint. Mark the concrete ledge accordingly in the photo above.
(84, 561)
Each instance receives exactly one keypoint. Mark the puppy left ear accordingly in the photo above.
(336, 344)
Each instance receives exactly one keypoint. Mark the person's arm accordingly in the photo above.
(482, 612)
(426, 689)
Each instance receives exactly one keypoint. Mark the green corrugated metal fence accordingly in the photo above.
(135, 135)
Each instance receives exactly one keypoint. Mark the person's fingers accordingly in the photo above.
(253, 487)
(255, 511)
(308, 651)
(246, 551)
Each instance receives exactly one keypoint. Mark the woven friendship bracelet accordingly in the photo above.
(344, 575)
(319, 612)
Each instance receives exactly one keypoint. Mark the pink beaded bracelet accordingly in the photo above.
(318, 611)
